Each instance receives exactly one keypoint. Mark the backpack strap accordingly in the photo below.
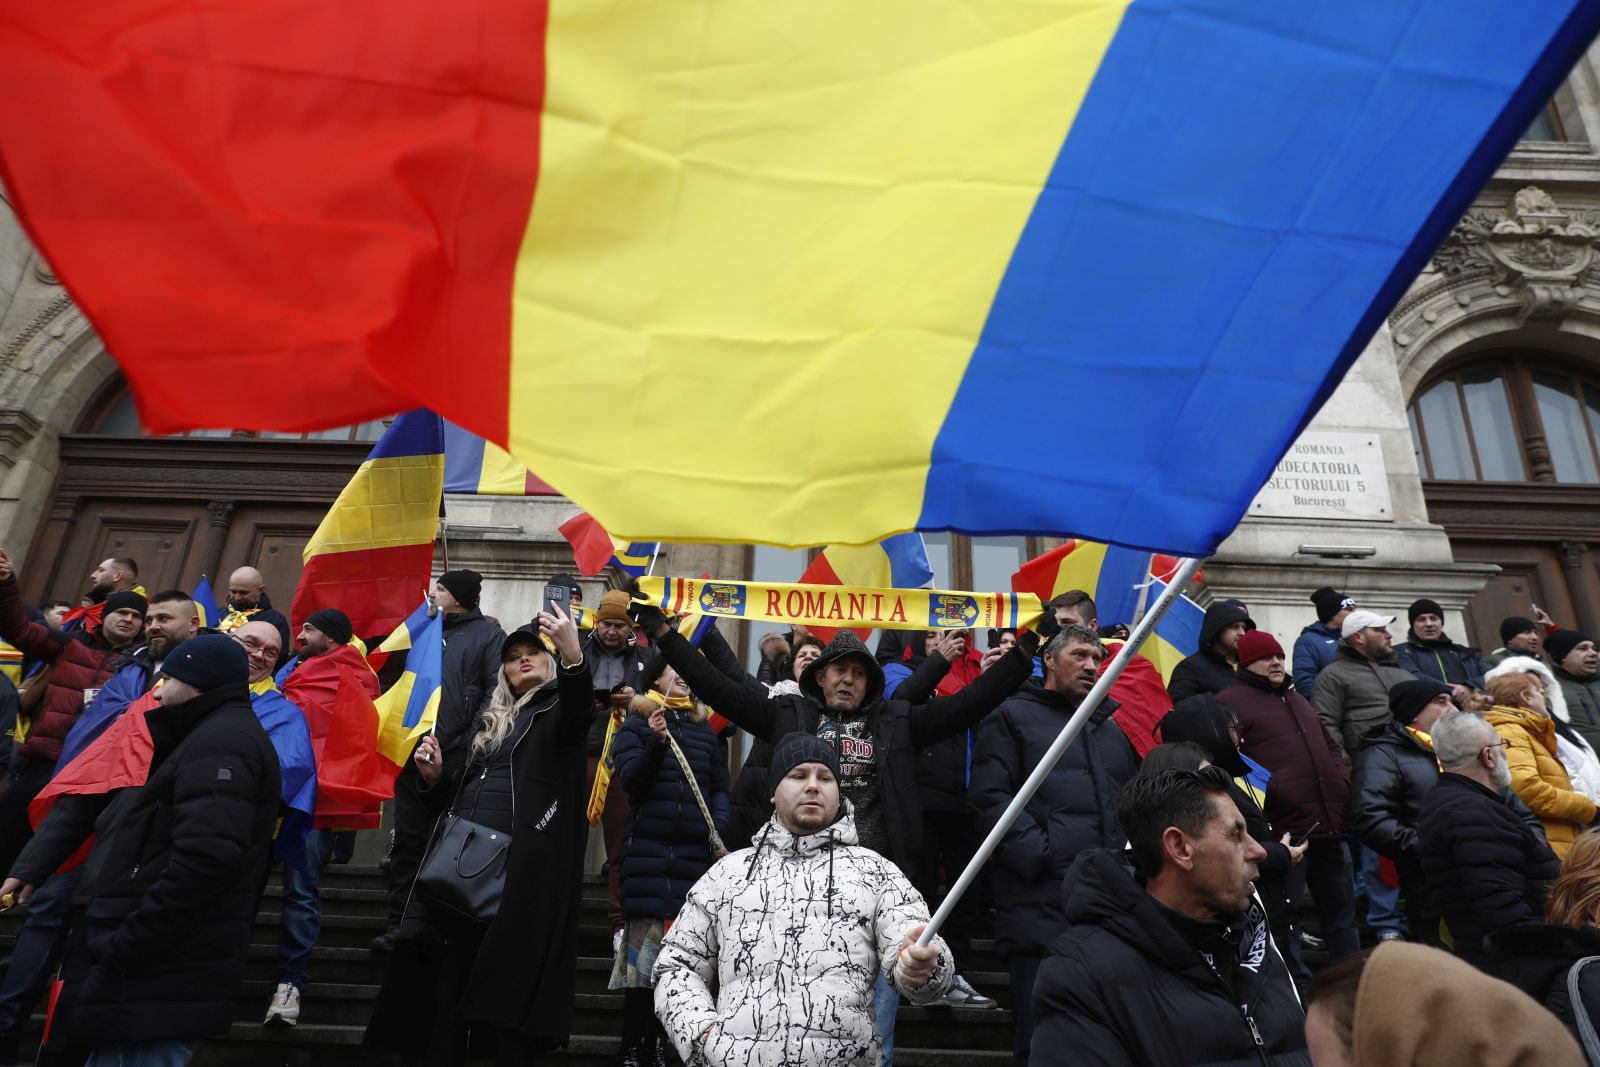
(1580, 1012)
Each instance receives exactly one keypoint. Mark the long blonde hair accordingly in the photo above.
(499, 716)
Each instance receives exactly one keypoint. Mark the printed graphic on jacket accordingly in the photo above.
(858, 777)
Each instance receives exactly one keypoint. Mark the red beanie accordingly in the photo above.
(1257, 644)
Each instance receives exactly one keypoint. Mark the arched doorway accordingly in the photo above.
(1508, 443)
(183, 506)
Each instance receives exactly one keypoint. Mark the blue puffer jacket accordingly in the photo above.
(1314, 649)
(667, 849)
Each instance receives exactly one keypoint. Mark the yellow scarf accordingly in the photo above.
(841, 605)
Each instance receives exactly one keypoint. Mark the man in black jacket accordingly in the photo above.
(471, 671)
(1074, 810)
(173, 882)
(1395, 770)
(1181, 970)
(841, 701)
(1428, 652)
(1210, 670)
(1486, 867)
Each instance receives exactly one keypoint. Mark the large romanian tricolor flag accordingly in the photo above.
(372, 555)
(848, 244)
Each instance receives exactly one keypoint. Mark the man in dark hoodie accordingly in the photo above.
(471, 669)
(1210, 670)
(1428, 652)
(1318, 643)
(1073, 810)
(841, 701)
(1175, 968)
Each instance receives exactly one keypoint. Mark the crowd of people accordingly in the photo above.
(1433, 802)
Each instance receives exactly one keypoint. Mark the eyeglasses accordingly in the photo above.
(255, 648)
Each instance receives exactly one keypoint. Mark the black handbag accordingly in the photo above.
(464, 873)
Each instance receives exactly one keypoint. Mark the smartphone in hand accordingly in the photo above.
(557, 594)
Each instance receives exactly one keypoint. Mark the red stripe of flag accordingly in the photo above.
(300, 186)
(377, 587)
(821, 572)
(592, 547)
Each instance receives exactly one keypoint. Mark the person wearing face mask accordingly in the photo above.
(504, 987)
(1521, 716)
(1074, 810)
(1485, 866)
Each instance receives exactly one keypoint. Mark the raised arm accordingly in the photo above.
(40, 642)
(742, 701)
(945, 717)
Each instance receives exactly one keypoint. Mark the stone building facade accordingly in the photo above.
(1460, 458)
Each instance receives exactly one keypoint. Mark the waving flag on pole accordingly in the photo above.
(930, 223)
(898, 562)
(593, 548)
(372, 555)
(205, 601)
(473, 465)
(408, 708)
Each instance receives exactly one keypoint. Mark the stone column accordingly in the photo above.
(1584, 584)
(209, 557)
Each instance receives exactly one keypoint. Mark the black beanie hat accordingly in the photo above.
(795, 749)
(1515, 625)
(570, 582)
(1561, 642)
(1423, 607)
(122, 600)
(1407, 699)
(464, 585)
(207, 662)
(1202, 720)
(334, 623)
(1329, 602)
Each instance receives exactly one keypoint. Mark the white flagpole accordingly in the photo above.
(1145, 627)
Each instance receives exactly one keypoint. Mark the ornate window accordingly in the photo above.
(1509, 420)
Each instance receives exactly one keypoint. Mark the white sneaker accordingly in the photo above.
(962, 995)
(285, 1007)
(616, 941)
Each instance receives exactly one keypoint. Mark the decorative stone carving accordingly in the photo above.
(17, 428)
(1572, 555)
(1535, 251)
(221, 512)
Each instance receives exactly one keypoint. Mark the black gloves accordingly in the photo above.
(649, 617)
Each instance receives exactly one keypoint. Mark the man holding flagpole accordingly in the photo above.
(877, 740)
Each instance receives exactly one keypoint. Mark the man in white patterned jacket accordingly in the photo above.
(773, 957)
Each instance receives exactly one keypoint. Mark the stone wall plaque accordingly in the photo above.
(1328, 476)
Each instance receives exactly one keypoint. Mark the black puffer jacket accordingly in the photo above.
(1394, 773)
(1206, 671)
(1279, 730)
(667, 847)
(471, 670)
(1125, 987)
(1075, 809)
(1486, 868)
(1442, 660)
(1536, 958)
(174, 881)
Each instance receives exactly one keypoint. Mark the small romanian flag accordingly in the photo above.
(409, 707)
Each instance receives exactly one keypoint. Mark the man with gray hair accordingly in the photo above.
(1486, 867)
(1073, 811)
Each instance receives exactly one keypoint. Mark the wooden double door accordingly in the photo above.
(184, 507)
(1544, 538)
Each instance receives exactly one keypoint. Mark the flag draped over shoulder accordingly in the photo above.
(372, 554)
(1166, 211)
(335, 691)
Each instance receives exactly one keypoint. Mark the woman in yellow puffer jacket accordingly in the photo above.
(1521, 717)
